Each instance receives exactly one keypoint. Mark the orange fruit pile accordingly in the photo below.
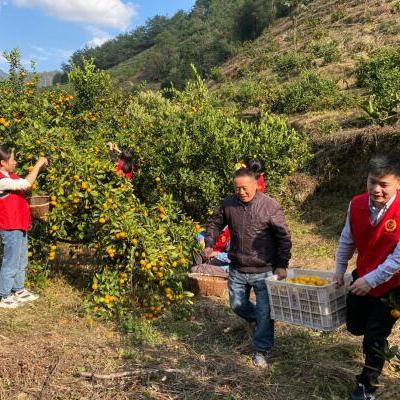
(308, 280)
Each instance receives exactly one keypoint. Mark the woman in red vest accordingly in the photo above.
(373, 229)
(125, 165)
(15, 221)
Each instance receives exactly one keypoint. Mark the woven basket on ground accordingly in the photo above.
(39, 206)
(206, 285)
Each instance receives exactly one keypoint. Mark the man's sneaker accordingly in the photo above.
(25, 295)
(9, 302)
(260, 359)
(361, 393)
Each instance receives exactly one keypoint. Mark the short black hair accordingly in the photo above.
(255, 166)
(5, 153)
(244, 171)
(384, 164)
(126, 158)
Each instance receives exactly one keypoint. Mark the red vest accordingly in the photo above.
(261, 184)
(222, 241)
(14, 209)
(375, 243)
(118, 168)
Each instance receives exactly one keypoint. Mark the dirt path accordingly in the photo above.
(45, 344)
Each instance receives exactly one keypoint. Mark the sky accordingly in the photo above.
(49, 31)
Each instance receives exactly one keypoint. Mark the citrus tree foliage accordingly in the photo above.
(380, 74)
(140, 231)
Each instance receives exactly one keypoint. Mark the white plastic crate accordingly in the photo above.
(317, 307)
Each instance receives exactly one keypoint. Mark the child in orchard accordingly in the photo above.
(373, 229)
(125, 165)
(15, 221)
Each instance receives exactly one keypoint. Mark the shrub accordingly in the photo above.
(140, 232)
(217, 75)
(291, 63)
(250, 93)
(90, 85)
(328, 50)
(309, 93)
(380, 74)
(396, 7)
(195, 128)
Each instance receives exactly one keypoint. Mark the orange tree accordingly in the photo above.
(193, 146)
(186, 150)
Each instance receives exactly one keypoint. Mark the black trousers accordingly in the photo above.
(370, 317)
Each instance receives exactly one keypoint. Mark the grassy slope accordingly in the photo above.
(43, 345)
(357, 26)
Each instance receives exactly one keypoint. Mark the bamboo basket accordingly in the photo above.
(206, 285)
(39, 207)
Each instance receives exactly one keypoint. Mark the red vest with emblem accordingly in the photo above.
(222, 240)
(14, 209)
(375, 243)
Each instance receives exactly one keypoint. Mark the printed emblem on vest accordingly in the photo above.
(390, 225)
(223, 239)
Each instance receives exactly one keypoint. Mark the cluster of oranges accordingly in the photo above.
(123, 277)
(312, 280)
(4, 122)
(108, 299)
(111, 252)
(169, 294)
(53, 229)
(52, 252)
(120, 235)
(90, 116)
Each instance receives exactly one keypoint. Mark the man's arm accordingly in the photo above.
(283, 241)
(345, 250)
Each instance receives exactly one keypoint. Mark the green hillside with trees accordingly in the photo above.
(162, 50)
(310, 88)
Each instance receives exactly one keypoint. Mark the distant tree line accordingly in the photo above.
(206, 36)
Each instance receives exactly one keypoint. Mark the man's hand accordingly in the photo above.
(208, 252)
(281, 273)
(338, 277)
(360, 287)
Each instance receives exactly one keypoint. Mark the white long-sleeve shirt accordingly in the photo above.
(347, 248)
(13, 184)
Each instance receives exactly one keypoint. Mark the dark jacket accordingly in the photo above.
(260, 239)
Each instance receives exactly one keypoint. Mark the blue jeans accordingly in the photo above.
(15, 261)
(239, 285)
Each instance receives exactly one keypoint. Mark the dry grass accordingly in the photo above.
(43, 345)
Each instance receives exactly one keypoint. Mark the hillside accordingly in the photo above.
(162, 50)
(328, 38)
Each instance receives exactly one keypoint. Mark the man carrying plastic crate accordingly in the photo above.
(373, 229)
(260, 243)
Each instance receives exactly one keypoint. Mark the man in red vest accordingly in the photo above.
(373, 229)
